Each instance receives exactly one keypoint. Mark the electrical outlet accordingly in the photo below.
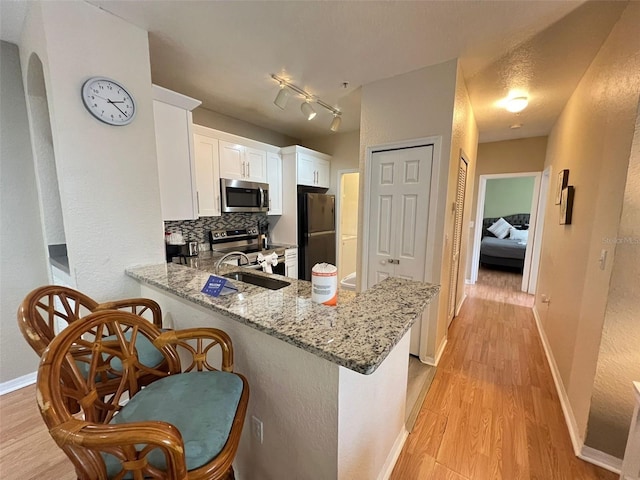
(256, 428)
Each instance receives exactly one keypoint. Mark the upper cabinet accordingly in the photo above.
(207, 172)
(175, 153)
(241, 162)
(314, 169)
(274, 179)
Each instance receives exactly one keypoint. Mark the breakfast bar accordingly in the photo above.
(328, 384)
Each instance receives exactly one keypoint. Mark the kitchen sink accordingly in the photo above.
(260, 281)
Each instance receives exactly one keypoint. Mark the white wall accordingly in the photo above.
(619, 357)
(107, 175)
(372, 407)
(592, 138)
(23, 260)
(293, 392)
(224, 123)
(415, 105)
(344, 149)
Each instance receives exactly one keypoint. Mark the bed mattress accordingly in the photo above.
(504, 248)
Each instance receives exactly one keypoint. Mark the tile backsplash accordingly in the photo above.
(199, 229)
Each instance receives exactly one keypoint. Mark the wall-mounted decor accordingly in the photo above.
(566, 205)
(563, 181)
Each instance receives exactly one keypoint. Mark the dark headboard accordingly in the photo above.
(518, 220)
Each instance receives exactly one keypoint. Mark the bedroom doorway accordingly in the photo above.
(499, 195)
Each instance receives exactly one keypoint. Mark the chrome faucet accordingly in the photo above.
(227, 255)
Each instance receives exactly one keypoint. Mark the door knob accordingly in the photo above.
(382, 262)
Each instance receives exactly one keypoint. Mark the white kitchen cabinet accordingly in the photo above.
(240, 162)
(291, 262)
(175, 154)
(274, 179)
(300, 166)
(207, 174)
(313, 170)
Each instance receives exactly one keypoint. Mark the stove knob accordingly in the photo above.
(216, 235)
(223, 234)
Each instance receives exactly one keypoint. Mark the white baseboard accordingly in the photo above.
(392, 458)
(464, 297)
(601, 459)
(17, 383)
(582, 451)
(569, 417)
(468, 281)
(434, 361)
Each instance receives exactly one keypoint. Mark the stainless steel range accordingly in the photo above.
(249, 242)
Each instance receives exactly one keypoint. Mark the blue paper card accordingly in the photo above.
(217, 286)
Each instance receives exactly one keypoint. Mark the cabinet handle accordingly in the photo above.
(248, 170)
(243, 167)
(198, 201)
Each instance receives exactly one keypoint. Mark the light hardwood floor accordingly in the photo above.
(492, 411)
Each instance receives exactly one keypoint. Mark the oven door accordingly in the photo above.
(240, 196)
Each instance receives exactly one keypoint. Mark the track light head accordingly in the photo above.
(282, 97)
(307, 110)
(335, 123)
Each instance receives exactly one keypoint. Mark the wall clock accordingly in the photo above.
(108, 101)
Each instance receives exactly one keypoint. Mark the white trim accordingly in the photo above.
(477, 234)
(545, 183)
(569, 417)
(392, 458)
(434, 361)
(464, 297)
(338, 196)
(601, 459)
(18, 383)
(582, 451)
(533, 219)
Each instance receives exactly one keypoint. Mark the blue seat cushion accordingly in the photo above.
(148, 355)
(201, 405)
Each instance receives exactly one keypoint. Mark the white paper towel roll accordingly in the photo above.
(324, 283)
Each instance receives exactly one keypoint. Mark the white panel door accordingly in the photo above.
(457, 239)
(399, 213)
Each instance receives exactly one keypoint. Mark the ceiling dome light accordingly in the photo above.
(517, 104)
(282, 97)
(307, 110)
(335, 123)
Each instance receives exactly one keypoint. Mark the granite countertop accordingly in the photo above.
(357, 334)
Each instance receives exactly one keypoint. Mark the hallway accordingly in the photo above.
(492, 411)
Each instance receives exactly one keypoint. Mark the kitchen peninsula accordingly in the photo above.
(328, 383)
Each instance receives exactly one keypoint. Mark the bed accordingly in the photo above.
(504, 252)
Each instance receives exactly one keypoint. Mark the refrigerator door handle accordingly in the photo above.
(318, 234)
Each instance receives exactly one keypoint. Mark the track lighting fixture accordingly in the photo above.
(307, 110)
(335, 123)
(282, 97)
(306, 107)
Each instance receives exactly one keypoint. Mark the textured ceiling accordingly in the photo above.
(223, 52)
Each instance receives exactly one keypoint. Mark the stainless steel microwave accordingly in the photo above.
(241, 196)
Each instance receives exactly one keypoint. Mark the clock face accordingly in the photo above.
(108, 101)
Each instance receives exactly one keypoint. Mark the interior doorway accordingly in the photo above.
(510, 250)
(347, 234)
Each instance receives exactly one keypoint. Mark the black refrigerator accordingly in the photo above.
(316, 231)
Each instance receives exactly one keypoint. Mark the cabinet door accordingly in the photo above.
(255, 165)
(306, 170)
(323, 173)
(207, 175)
(231, 160)
(176, 169)
(274, 178)
(291, 262)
